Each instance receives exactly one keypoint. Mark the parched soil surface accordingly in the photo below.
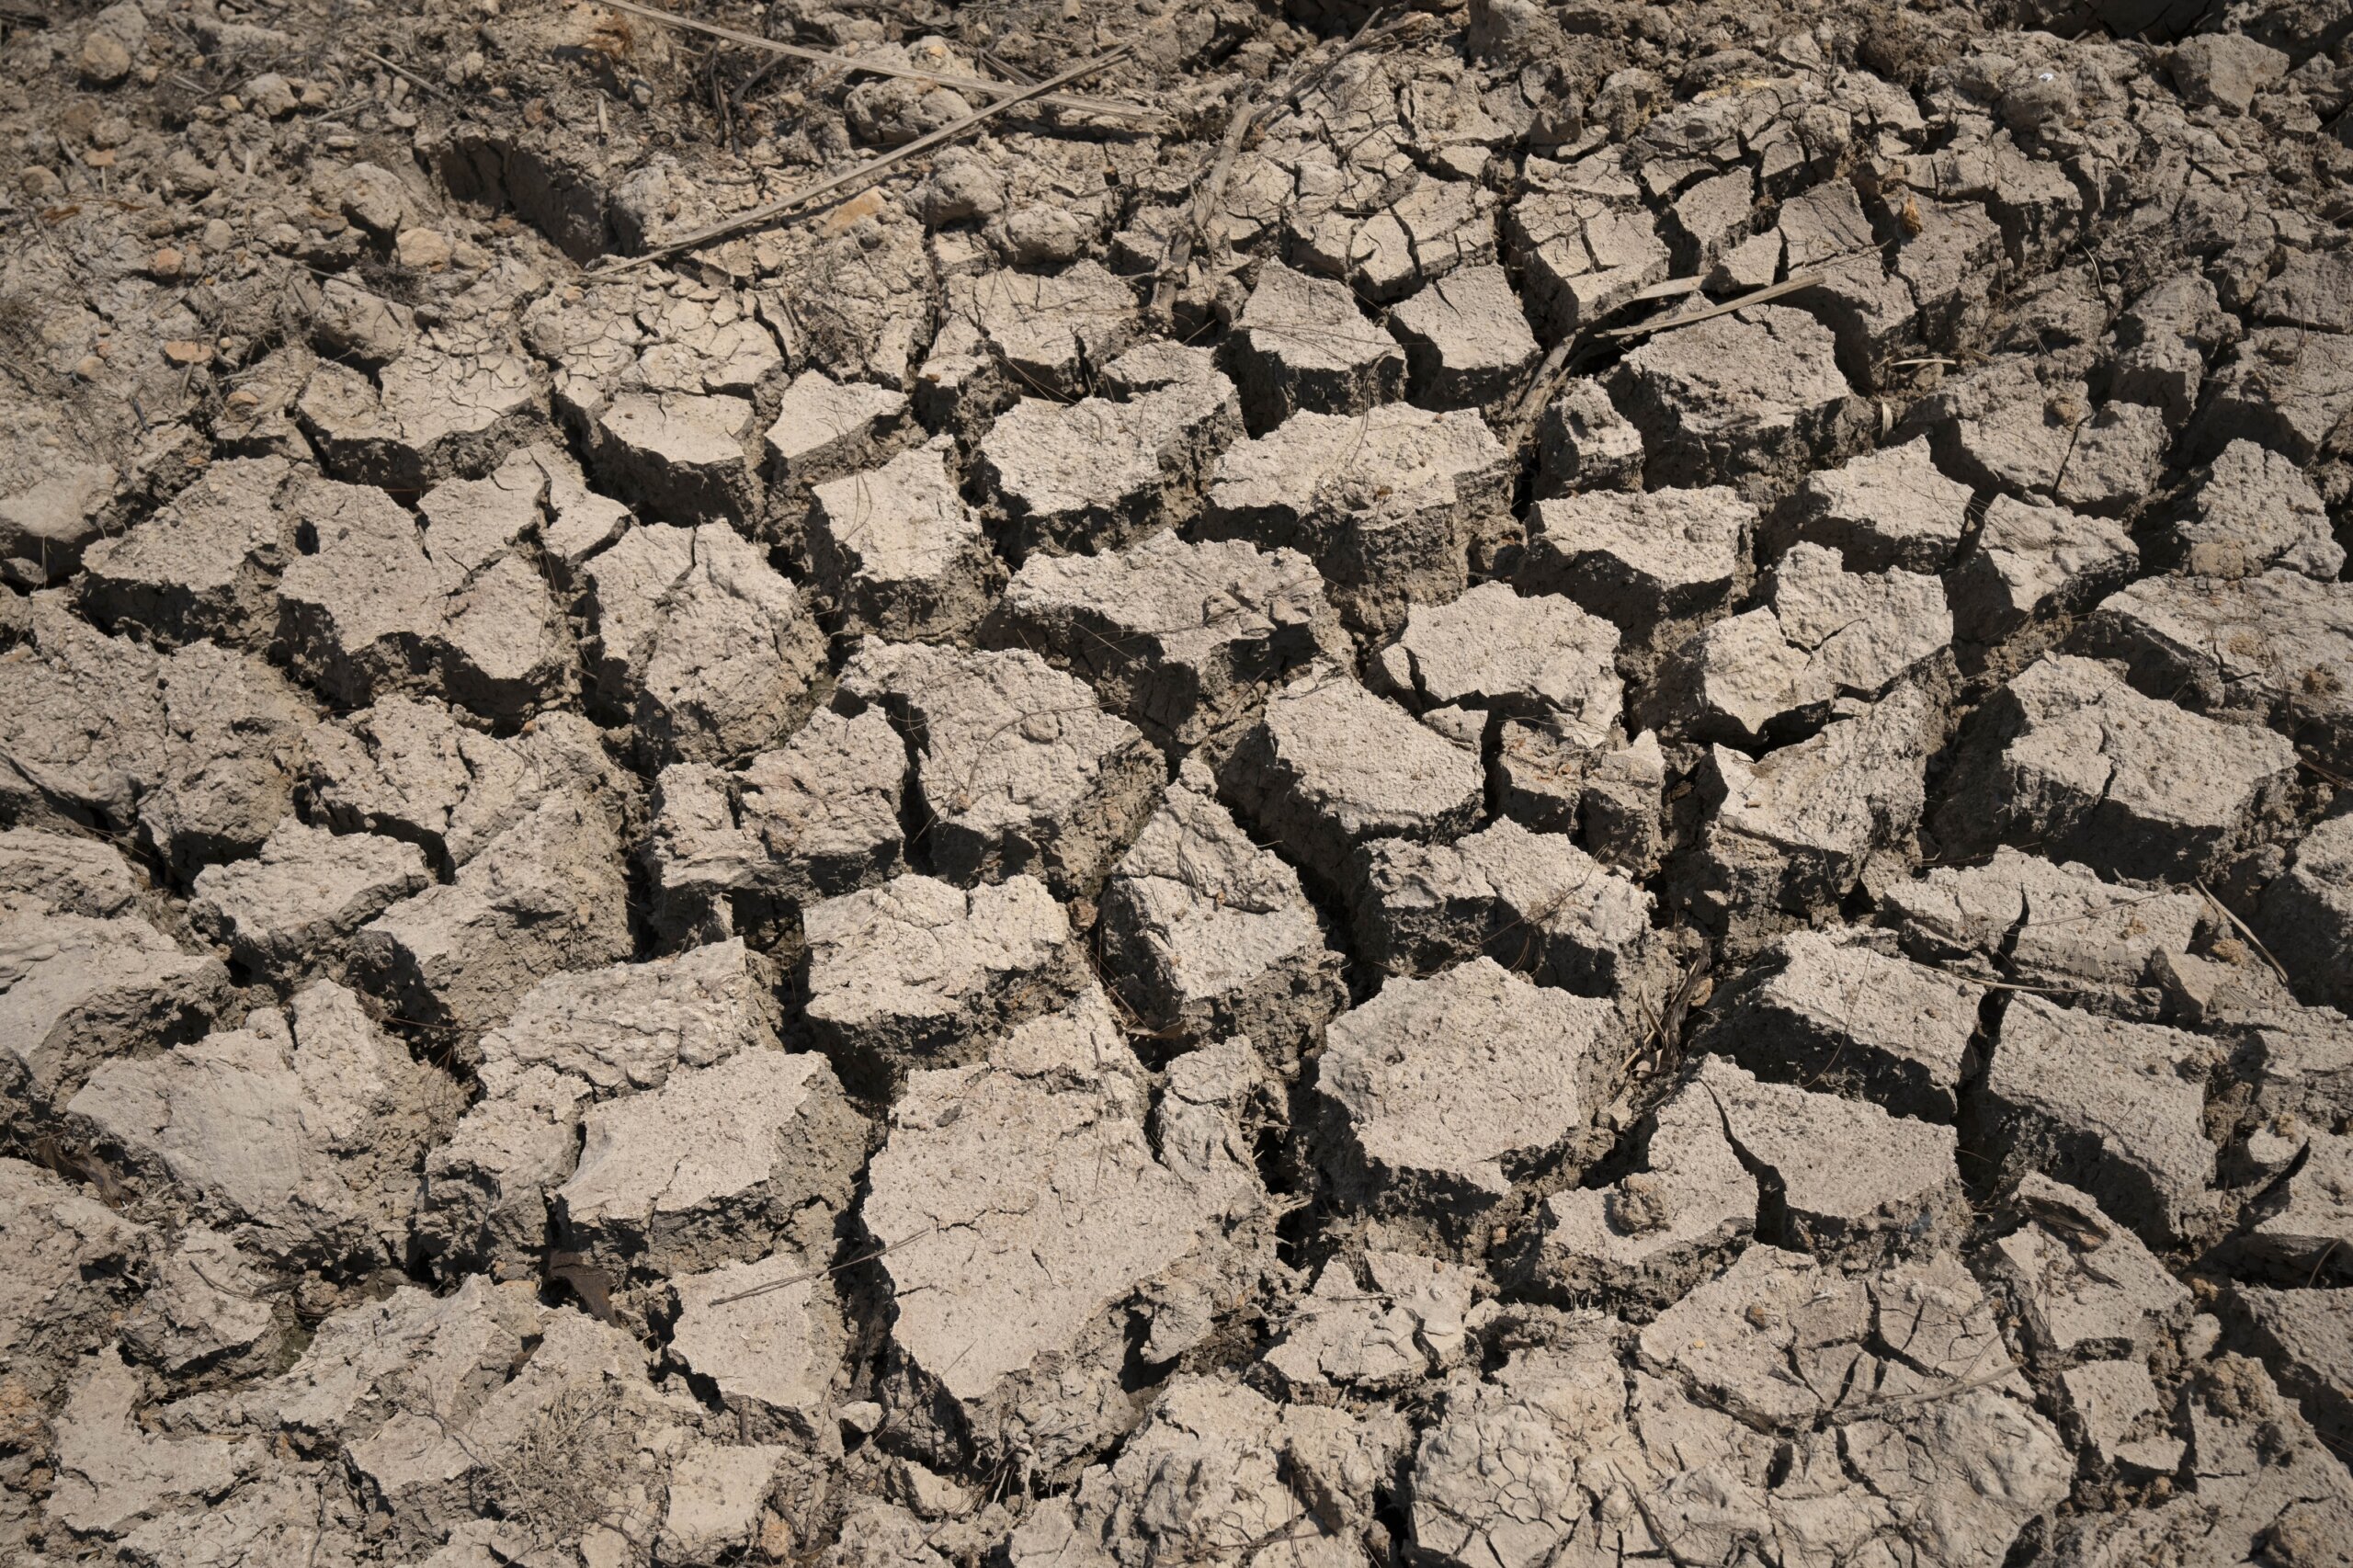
(1129, 784)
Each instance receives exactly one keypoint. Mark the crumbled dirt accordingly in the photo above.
(1499, 784)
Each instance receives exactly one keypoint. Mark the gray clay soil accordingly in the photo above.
(1494, 785)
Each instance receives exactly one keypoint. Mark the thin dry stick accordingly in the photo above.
(1206, 203)
(821, 1272)
(1862, 1410)
(2305, 763)
(1672, 288)
(1539, 382)
(400, 70)
(1207, 225)
(2245, 931)
(1680, 1006)
(1642, 1000)
(761, 217)
(1753, 297)
(1115, 108)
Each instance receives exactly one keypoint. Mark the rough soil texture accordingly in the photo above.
(1477, 784)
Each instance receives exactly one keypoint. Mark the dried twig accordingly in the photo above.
(1113, 109)
(1206, 203)
(400, 70)
(1694, 991)
(1788, 285)
(1005, 68)
(590, 1283)
(717, 91)
(2246, 931)
(1539, 383)
(760, 217)
(82, 1164)
(2309, 765)
(1670, 289)
(1920, 1396)
(1642, 1001)
(788, 1284)
(1206, 228)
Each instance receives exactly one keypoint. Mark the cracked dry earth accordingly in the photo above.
(1529, 787)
